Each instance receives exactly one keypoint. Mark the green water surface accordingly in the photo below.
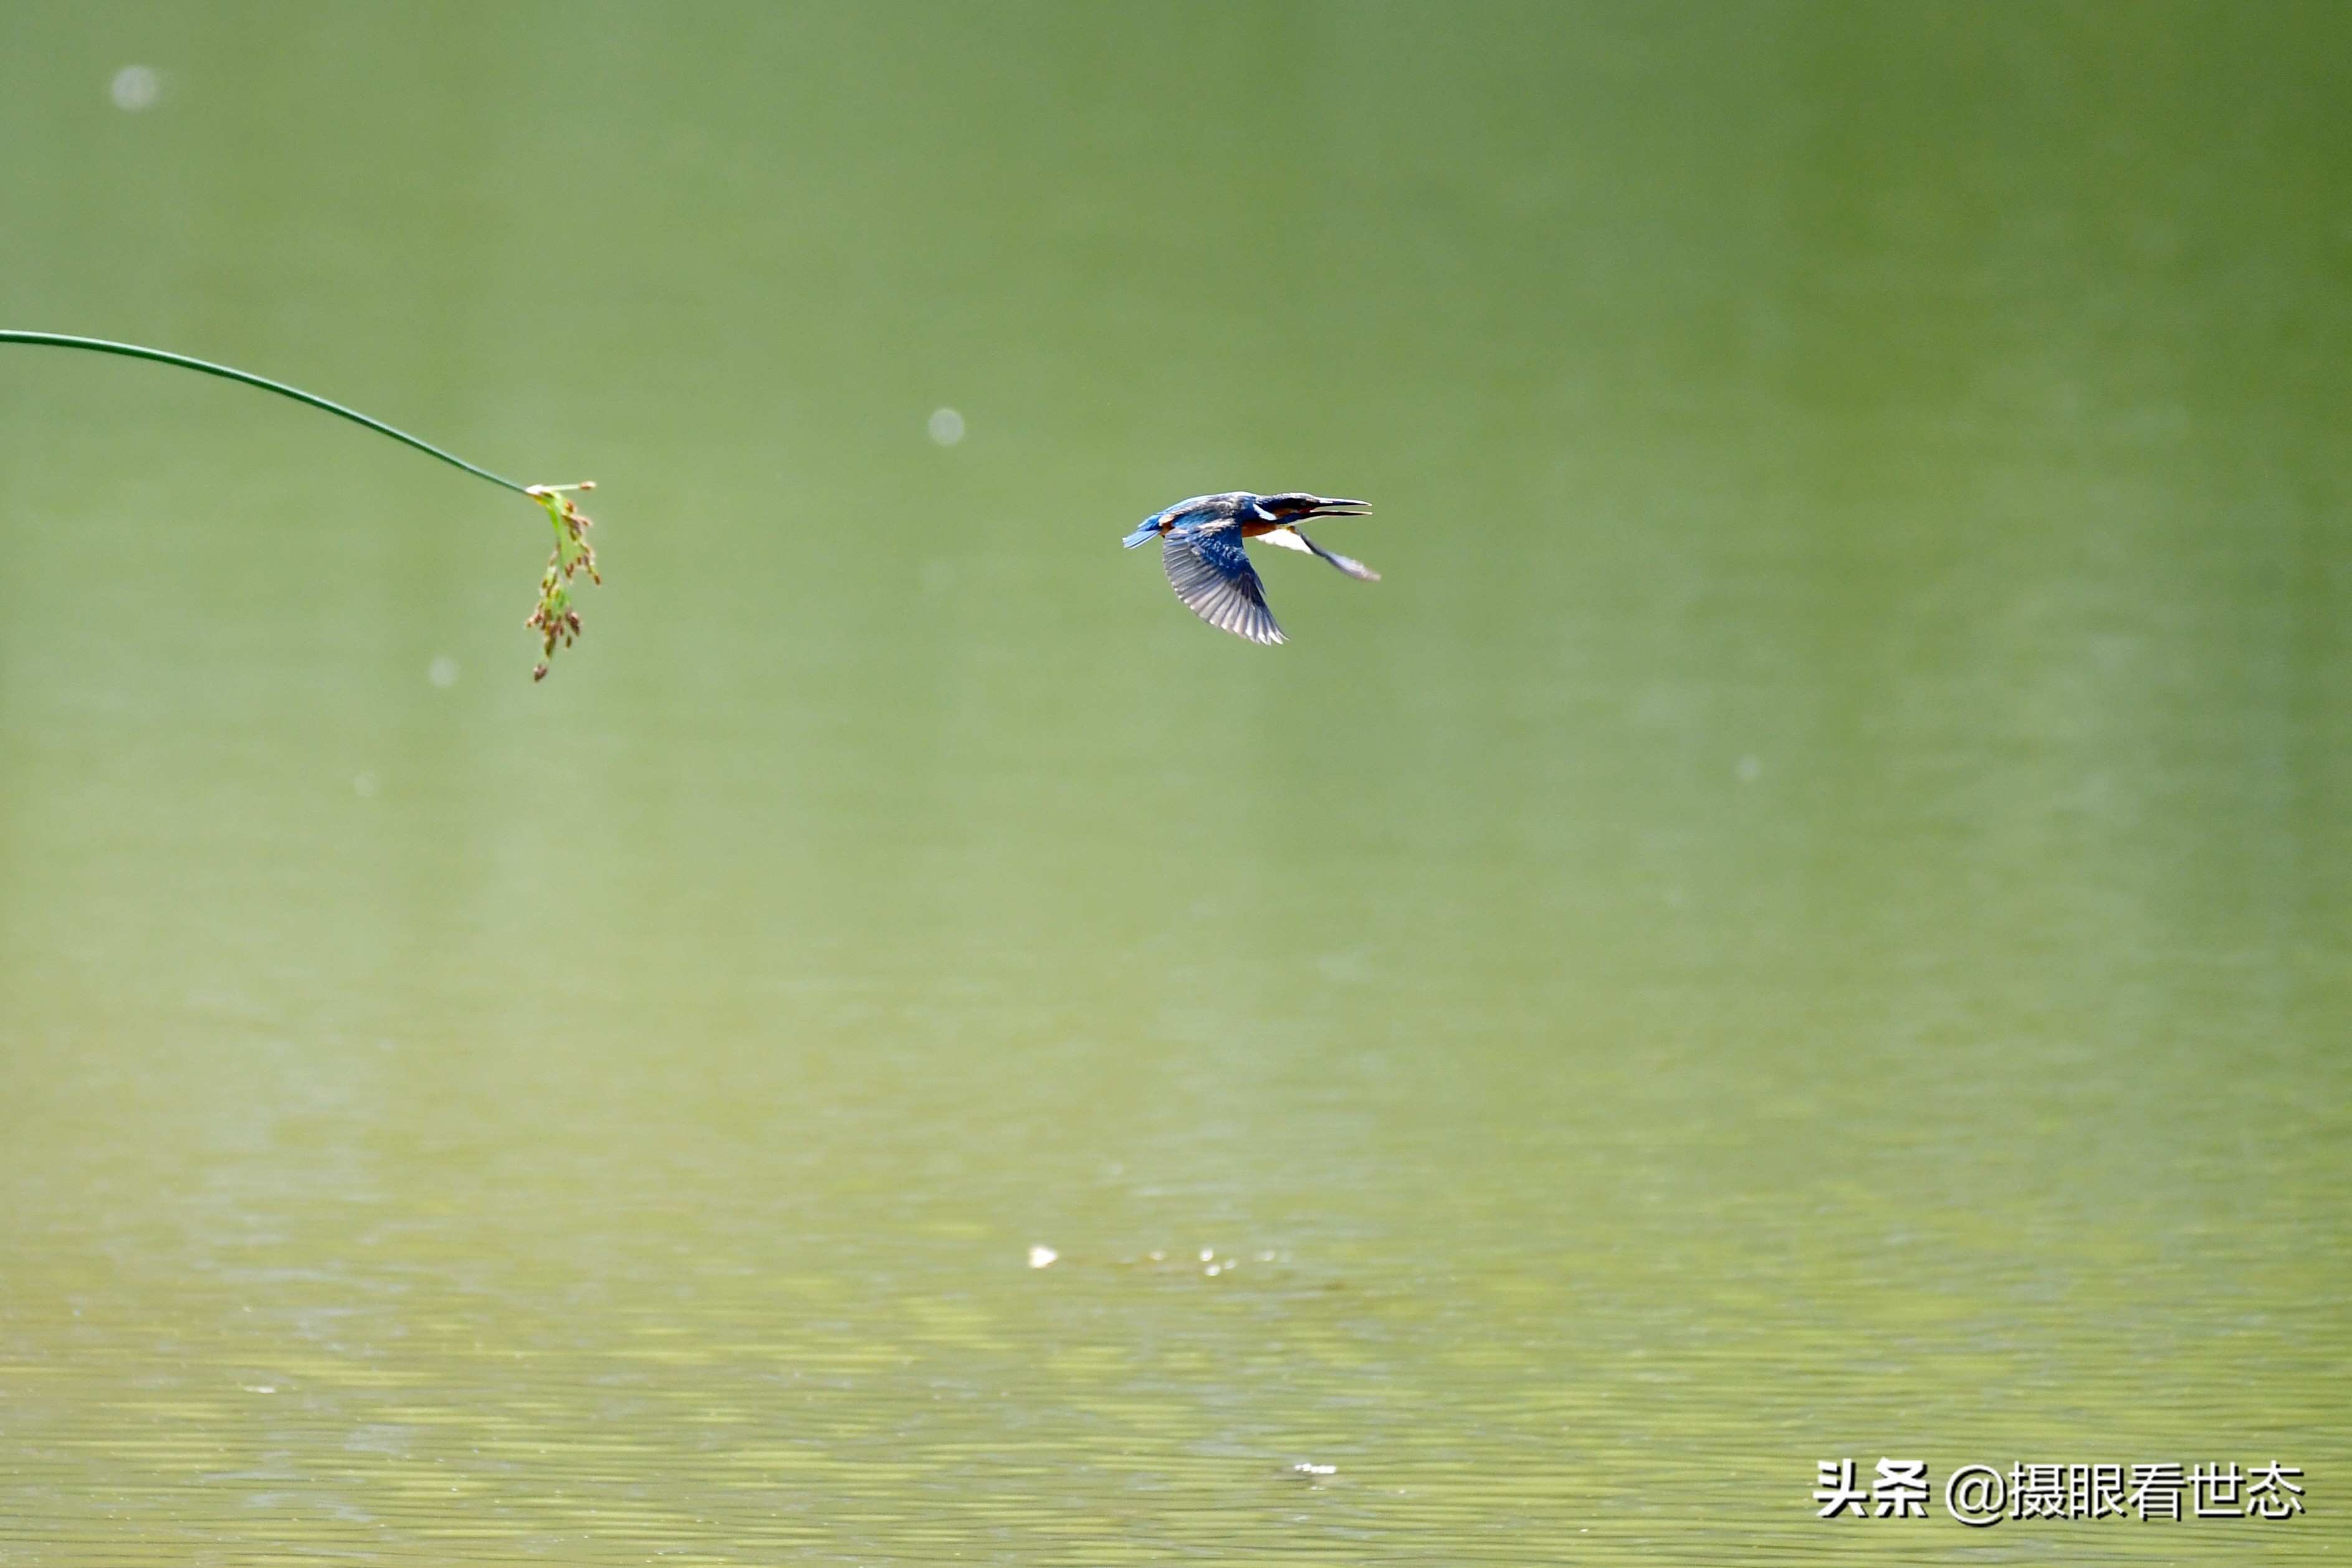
(1806, 917)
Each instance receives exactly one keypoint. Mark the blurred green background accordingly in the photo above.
(1805, 917)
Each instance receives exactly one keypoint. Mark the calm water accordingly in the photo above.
(1805, 918)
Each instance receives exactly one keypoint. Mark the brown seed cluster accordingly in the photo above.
(555, 618)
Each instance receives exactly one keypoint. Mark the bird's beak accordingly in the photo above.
(1339, 509)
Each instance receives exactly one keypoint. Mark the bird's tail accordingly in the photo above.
(1143, 535)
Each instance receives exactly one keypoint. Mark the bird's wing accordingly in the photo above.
(1211, 574)
(1291, 539)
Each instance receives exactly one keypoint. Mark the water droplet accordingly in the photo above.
(1748, 768)
(1042, 1257)
(364, 786)
(442, 671)
(947, 426)
(135, 87)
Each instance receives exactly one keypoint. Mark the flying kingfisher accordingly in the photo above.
(1201, 546)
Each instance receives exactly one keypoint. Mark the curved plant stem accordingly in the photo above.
(133, 351)
(554, 619)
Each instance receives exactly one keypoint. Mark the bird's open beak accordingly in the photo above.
(1340, 509)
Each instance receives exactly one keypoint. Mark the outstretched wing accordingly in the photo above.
(1211, 574)
(1292, 539)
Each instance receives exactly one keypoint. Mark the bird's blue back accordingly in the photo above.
(1204, 509)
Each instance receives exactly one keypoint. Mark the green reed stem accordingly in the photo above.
(132, 350)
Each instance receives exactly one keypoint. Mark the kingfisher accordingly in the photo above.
(1201, 546)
